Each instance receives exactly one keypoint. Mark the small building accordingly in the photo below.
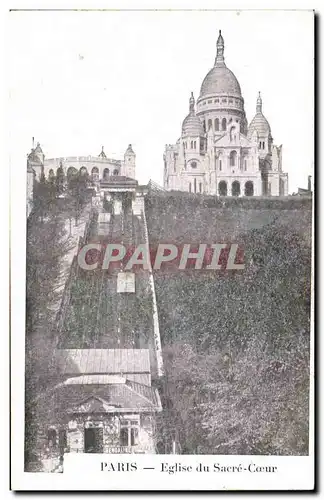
(105, 403)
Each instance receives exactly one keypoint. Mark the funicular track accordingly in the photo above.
(96, 315)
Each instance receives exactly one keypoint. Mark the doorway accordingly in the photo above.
(93, 440)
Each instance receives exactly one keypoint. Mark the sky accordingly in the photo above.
(80, 80)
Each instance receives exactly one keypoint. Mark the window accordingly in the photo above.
(248, 190)
(200, 187)
(189, 187)
(71, 171)
(216, 124)
(224, 124)
(260, 145)
(195, 185)
(220, 165)
(191, 144)
(115, 172)
(83, 171)
(233, 156)
(236, 188)
(263, 145)
(210, 124)
(230, 101)
(269, 188)
(224, 100)
(209, 102)
(193, 164)
(222, 188)
(216, 100)
(195, 144)
(129, 432)
(95, 173)
(106, 173)
(245, 165)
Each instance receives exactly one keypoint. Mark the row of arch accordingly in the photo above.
(218, 124)
(72, 171)
(233, 161)
(236, 188)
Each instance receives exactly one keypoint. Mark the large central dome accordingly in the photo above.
(220, 79)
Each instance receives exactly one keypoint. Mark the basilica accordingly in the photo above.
(218, 153)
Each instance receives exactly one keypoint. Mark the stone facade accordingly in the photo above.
(218, 153)
(98, 168)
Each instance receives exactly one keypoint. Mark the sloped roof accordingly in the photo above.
(105, 361)
(119, 179)
(71, 398)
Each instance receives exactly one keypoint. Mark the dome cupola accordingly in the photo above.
(259, 122)
(220, 79)
(192, 125)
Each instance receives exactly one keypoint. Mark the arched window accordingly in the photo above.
(216, 124)
(200, 187)
(191, 144)
(269, 188)
(106, 173)
(83, 171)
(189, 187)
(195, 185)
(222, 188)
(236, 188)
(263, 145)
(233, 156)
(224, 124)
(71, 171)
(248, 189)
(115, 172)
(210, 124)
(260, 145)
(195, 144)
(220, 165)
(193, 164)
(232, 136)
(95, 173)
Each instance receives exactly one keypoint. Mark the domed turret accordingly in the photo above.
(192, 125)
(220, 79)
(259, 122)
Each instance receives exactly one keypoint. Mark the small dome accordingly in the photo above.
(129, 150)
(259, 122)
(192, 125)
(220, 80)
(38, 149)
